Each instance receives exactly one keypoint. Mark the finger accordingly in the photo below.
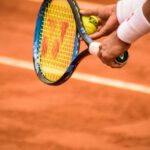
(113, 64)
(106, 29)
(101, 11)
(109, 62)
(117, 66)
(86, 12)
(96, 35)
(87, 5)
(110, 26)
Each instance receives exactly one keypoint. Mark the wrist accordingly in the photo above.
(122, 43)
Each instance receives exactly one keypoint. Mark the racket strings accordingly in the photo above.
(57, 42)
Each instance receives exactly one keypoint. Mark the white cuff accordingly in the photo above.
(126, 7)
(133, 27)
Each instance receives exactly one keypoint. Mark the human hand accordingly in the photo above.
(107, 13)
(111, 48)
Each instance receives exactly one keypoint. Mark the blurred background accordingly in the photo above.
(80, 114)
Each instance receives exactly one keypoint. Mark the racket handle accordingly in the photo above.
(123, 58)
(94, 48)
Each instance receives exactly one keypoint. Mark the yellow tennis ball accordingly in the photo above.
(91, 23)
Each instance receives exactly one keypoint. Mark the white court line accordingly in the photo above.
(82, 76)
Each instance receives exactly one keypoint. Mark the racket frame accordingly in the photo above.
(77, 57)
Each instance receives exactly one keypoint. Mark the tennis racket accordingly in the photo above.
(57, 39)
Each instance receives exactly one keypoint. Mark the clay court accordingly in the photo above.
(98, 109)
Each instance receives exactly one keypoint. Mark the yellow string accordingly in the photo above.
(57, 39)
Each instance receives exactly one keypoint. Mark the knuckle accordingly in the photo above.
(105, 56)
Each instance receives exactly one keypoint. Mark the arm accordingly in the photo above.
(113, 46)
(130, 30)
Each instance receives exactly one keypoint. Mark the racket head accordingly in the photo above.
(56, 42)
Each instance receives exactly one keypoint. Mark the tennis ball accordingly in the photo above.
(91, 23)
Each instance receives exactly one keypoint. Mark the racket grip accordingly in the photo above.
(94, 48)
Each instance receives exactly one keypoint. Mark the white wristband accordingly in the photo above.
(126, 7)
(133, 27)
(94, 48)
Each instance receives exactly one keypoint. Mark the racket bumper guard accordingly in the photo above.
(94, 48)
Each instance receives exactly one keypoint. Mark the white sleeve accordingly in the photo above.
(126, 7)
(134, 27)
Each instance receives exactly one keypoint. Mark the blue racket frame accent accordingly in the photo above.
(37, 43)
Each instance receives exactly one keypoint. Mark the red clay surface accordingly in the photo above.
(77, 115)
